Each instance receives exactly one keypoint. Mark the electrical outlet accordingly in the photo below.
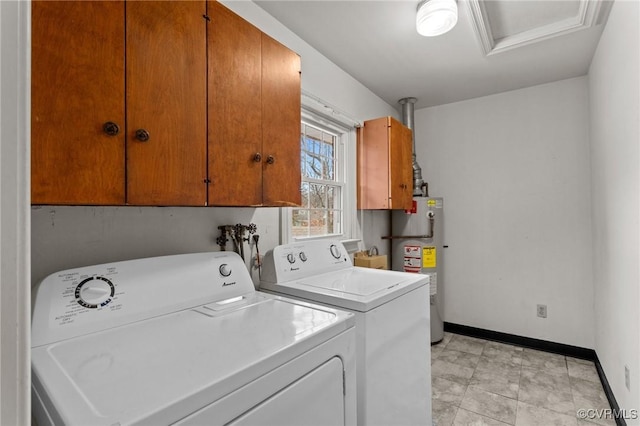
(542, 311)
(627, 377)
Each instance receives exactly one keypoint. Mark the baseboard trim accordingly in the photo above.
(607, 391)
(542, 345)
(526, 342)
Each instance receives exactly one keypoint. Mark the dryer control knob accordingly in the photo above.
(291, 258)
(225, 270)
(335, 251)
(303, 256)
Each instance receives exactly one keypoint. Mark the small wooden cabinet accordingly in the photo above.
(385, 173)
(110, 127)
(254, 115)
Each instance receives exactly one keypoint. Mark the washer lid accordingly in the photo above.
(162, 369)
(356, 288)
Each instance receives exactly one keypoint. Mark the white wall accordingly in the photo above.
(14, 214)
(615, 139)
(65, 237)
(513, 169)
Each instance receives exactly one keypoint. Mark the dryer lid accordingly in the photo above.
(162, 369)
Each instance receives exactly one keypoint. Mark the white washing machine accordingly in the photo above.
(186, 340)
(393, 344)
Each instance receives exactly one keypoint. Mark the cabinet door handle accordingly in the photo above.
(257, 157)
(270, 159)
(111, 128)
(403, 185)
(142, 135)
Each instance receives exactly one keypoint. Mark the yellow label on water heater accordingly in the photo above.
(431, 203)
(429, 257)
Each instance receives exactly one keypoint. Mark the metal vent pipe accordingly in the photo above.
(419, 186)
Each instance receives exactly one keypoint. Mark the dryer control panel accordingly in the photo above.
(86, 300)
(305, 259)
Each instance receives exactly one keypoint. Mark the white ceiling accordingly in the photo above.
(526, 43)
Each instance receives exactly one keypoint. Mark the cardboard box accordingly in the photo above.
(363, 259)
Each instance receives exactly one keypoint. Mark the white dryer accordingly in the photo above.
(393, 344)
(186, 340)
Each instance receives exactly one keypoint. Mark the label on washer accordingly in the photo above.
(429, 257)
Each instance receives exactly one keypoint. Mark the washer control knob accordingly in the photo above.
(94, 292)
(335, 251)
(291, 258)
(303, 256)
(224, 270)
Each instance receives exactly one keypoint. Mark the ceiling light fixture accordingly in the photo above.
(436, 17)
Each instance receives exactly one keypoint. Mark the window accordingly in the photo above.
(322, 185)
(328, 168)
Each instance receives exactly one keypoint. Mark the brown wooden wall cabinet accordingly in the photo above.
(77, 87)
(254, 115)
(110, 127)
(385, 173)
(120, 109)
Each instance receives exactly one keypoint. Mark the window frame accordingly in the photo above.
(319, 115)
(339, 179)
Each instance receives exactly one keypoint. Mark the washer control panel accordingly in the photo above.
(93, 298)
(299, 260)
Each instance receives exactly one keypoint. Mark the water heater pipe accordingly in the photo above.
(420, 188)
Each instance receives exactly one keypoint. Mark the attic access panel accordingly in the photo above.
(504, 25)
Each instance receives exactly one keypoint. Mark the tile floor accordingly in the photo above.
(479, 382)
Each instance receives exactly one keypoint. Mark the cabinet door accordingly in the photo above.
(374, 165)
(401, 170)
(280, 124)
(235, 123)
(385, 172)
(166, 97)
(77, 86)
